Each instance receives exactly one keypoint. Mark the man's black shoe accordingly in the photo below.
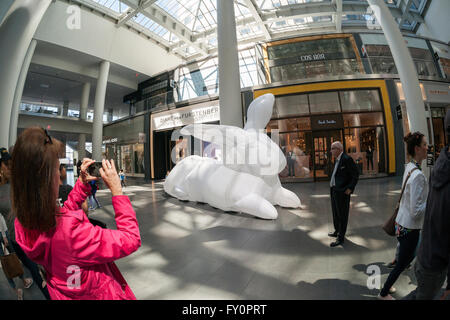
(336, 243)
(333, 234)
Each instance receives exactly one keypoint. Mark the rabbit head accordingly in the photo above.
(259, 112)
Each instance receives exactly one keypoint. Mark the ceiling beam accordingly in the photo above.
(338, 16)
(405, 5)
(142, 6)
(256, 15)
(172, 25)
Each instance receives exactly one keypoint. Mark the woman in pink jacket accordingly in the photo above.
(77, 256)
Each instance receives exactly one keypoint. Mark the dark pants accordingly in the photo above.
(369, 161)
(429, 283)
(340, 205)
(34, 270)
(406, 254)
(292, 167)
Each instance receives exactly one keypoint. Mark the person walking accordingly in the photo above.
(433, 258)
(122, 178)
(78, 257)
(92, 197)
(411, 211)
(369, 157)
(5, 210)
(291, 159)
(343, 182)
(6, 244)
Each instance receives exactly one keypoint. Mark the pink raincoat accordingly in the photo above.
(77, 256)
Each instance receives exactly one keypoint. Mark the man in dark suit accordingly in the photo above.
(343, 181)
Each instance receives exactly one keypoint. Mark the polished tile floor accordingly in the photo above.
(193, 251)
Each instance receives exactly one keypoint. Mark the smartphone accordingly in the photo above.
(94, 169)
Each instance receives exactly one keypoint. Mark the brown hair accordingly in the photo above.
(413, 140)
(34, 163)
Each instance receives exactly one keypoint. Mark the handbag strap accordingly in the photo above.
(404, 185)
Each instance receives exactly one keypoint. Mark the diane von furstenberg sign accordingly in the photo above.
(185, 116)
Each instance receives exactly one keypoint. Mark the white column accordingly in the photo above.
(99, 106)
(415, 107)
(83, 113)
(18, 93)
(16, 32)
(229, 78)
(65, 109)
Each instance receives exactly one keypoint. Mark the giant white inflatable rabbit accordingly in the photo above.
(246, 180)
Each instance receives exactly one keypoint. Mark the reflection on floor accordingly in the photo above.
(192, 251)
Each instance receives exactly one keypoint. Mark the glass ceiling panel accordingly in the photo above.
(200, 16)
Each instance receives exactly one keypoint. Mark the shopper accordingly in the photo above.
(6, 244)
(291, 160)
(77, 256)
(343, 182)
(369, 156)
(433, 257)
(122, 178)
(5, 210)
(411, 211)
(92, 197)
(64, 189)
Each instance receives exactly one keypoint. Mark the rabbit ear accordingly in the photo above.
(259, 112)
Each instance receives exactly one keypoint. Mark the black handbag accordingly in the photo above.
(389, 225)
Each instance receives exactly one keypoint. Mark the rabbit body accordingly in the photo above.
(207, 180)
(252, 187)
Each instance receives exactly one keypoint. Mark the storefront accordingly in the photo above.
(124, 142)
(436, 96)
(310, 117)
(167, 145)
(309, 57)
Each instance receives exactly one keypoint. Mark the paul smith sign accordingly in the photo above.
(331, 121)
(184, 116)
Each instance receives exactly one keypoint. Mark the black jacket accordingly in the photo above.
(347, 174)
(434, 249)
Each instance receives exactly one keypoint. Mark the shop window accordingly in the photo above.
(292, 124)
(363, 119)
(367, 148)
(297, 147)
(324, 102)
(360, 100)
(291, 105)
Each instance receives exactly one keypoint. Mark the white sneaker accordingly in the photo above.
(19, 294)
(27, 283)
(388, 297)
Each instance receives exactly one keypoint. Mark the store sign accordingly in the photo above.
(437, 93)
(184, 116)
(113, 140)
(334, 121)
(312, 57)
